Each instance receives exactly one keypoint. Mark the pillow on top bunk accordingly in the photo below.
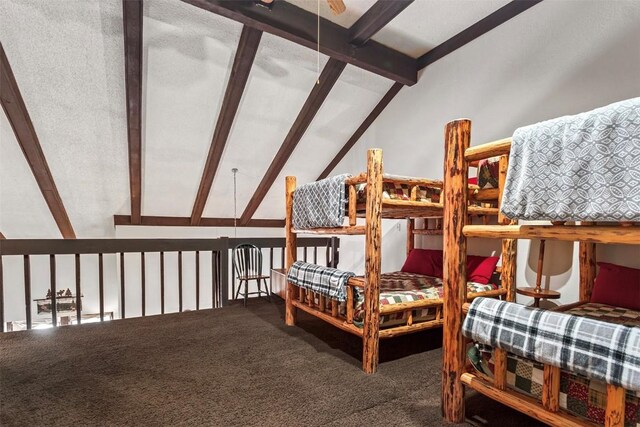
(429, 262)
(617, 286)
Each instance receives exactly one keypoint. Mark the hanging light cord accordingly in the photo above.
(318, 38)
(235, 203)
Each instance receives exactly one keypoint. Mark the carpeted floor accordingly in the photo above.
(232, 366)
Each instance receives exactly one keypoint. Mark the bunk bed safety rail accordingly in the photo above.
(601, 350)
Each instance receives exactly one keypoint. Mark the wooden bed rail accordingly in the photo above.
(488, 150)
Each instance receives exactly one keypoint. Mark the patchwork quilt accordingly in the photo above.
(401, 287)
(579, 395)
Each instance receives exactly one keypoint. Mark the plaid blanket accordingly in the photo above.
(595, 349)
(327, 281)
(577, 168)
(320, 204)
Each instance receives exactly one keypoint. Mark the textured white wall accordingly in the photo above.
(559, 57)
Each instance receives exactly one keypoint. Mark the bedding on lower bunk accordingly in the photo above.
(577, 168)
(326, 281)
(401, 287)
(579, 395)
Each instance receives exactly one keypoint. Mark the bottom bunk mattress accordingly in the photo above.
(580, 396)
(402, 287)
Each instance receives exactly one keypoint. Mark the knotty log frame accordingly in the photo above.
(374, 209)
(458, 157)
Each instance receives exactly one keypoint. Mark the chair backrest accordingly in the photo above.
(247, 260)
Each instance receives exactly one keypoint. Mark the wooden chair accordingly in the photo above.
(247, 264)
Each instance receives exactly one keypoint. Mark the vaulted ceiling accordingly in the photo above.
(68, 59)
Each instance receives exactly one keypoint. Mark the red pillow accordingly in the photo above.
(427, 262)
(473, 180)
(480, 268)
(617, 286)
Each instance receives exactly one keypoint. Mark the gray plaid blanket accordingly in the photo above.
(320, 204)
(577, 168)
(327, 281)
(605, 351)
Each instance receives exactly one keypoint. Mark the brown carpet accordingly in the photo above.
(232, 366)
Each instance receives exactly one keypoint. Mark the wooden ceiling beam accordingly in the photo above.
(493, 20)
(330, 74)
(132, 25)
(481, 27)
(1, 236)
(170, 221)
(386, 99)
(245, 54)
(295, 24)
(18, 116)
(374, 19)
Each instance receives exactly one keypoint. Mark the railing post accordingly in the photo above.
(224, 270)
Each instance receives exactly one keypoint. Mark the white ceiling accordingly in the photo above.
(68, 60)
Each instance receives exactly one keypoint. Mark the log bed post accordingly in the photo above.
(411, 239)
(509, 246)
(291, 250)
(456, 171)
(587, 257)
(372, 251)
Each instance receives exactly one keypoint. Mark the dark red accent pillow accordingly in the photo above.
(480, 268)
(617, 286)
(473, 180)
(427, 262)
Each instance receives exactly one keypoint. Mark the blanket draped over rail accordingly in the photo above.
(326, 281)
(320, 204)
(596, 349)
(577, 168)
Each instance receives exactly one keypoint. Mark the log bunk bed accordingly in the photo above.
(366, 197)
(548, 403)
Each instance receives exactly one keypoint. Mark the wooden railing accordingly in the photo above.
(219, 267)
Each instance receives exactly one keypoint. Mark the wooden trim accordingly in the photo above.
(587, 259)
(522, 403)
(172, 221)
(595, 234)
(455, 194)
(372, 263)
(488, 150)
(509, 246)
(500, 368)
(487, 194)
(481, 27)
(410, 329)
(428, 231)
(245, 54)
(290, 22)
(290, 250)
(374, 19)
(614, 412)
(551, 388)
(132, 26)
(411, 239)
(386, 99)
(2, 236)
(18, 116)
(335, 321)
(319, 93)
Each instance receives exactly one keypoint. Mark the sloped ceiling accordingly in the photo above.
(68, 60)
